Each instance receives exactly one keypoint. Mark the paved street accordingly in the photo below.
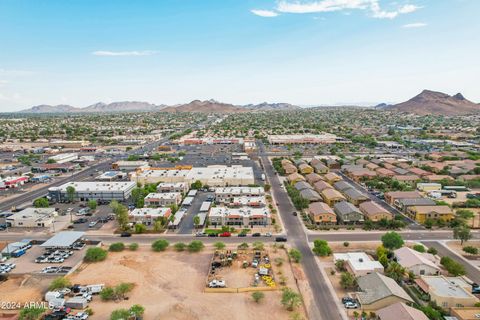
(187, 226)
(472, 272)
(325, 307)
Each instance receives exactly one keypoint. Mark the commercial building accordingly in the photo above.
(467, 313)
(422, 213)
(12, 182)
(358, 263)
(227, 194)
(181, 187)
(324, 138)
(378, 291)
(74, 144)
(163, 199)
(32, 218)
(111, 176)
(447, 292)
(129, 165)
(420, 263)
(85, 191)
(148, 216)
(63, 157)
(214, 176)
(220, 216)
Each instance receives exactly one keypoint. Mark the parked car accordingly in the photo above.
(225, 234)
(242, 234)
(92, 224)
(351, 305)
(256, 234)
(79, 221)
(268, 234)
(295, 213)
(280, 239)
(217, 284)
(200, 234)
(125, 234)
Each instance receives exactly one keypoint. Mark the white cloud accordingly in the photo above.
(15, 73)
(415, 25)
(123, 53)
(3, 82)
(373, 6)
(264, 13)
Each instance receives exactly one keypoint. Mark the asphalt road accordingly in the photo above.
(325, 306)
(472, 272)
(187, 226)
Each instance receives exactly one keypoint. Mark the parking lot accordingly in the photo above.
(26, 264)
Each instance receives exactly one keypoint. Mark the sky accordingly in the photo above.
(80, 52)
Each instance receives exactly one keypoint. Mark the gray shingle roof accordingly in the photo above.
(376, 286)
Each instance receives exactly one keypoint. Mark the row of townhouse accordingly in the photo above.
(241, 217)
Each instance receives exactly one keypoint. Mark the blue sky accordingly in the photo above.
(80, 52)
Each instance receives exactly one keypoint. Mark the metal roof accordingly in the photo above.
(63, 239)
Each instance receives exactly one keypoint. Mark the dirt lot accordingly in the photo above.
(170, 286)
(24, 289)
(457, 248)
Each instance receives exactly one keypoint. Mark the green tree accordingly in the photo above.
(321, 248)
(452, 266)
(347, 280)
(196, 221)
(392, 240)
(195, 246)
(31, 313)
(137, 310)
(419, 248)
(290, 299)
(120, 314)
(138, 197)
(41, 203)
(196, 185)
(395, 271)
(95, 254)
(257, 296)
(59, 283)
(160, 245)
(92, 204)
(219, 245)
(295, 255)
(258, 245)
(462, 233)
(140, 228)
(70, 193)
(121, 214)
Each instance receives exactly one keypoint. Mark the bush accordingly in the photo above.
(432, 250)
(295, 254)
(116, 247)
(116, 293)
(160, 245)
(31, 313)
(419, 248)
(133, 246)
(140, 228)
(107, 294)
(453, 267)
(179, 246)
(257, 296)
(219, 245)
(470, 250)
(59, 283)
(95, 255)
(195, 246)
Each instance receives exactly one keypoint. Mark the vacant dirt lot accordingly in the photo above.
(170, 286)
(24, 289)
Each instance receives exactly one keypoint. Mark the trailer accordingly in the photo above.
(95, 288)
(76, 303)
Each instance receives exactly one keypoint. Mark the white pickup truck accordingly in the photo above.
(217, 284)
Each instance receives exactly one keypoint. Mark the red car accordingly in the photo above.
(225, 234)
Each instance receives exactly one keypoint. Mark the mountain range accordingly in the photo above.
(207, 106)
(435, 103)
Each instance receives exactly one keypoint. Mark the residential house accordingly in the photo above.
(305, 168)
(358, 263)
(332, 177)
(420, 263)
(383, 172)
(313, 177)
(422, 213)
(295, 177)
(447, 292)
(419, 172)
(310, 195)
(355, 196)
(404, 204)
(302, 185)
(319, 186)
(409, 179)
(347, 213)
(342, 186)
(437, 177)
(374, 212)
(319, 167)
(390, 197)
(321, 213)
(400, 311)
(331, 196)
(378, 291)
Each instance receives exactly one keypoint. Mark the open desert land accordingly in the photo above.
(170, 285)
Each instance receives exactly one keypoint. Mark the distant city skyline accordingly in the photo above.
(322, 52)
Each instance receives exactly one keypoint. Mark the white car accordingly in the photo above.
(217, 284)
(92, 224)
(351, 305)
